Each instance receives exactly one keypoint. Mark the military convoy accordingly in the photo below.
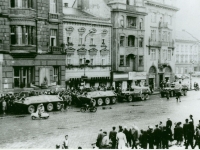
(174, 89)
(141, 93)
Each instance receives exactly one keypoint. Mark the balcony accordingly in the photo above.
(131, 50)
(56, 50)
(164, 43)
(136, 8)
(53, 17)
(154, 43)
(22, 12)
(163, 24)
(162, 63)
(161, 43)
(23, 51)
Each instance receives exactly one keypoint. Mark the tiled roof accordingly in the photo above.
(181, 35)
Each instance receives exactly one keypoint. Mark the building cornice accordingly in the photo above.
(130, 12)
(187, 41)
(150, 3)
(85, 21)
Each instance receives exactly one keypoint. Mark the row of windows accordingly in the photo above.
(163, 36)
(25, 76)
(131, 41)
(30, 4)
(92, 59)
(125, 60)
(166, 54)
(185, 70)
(161, 18)
(186, 48)
(186, 58)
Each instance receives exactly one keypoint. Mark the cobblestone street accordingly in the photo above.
(82, 128)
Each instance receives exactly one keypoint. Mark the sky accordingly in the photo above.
(187, 18)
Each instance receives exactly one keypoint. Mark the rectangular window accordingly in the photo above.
(91, 61)
(140, 42)
(153, 17)
(131, 41)
(182, 58)
(127, 61)
(121, 60)
(103, 42)
(68, 61)
(91, 41)
(122, 40)
(53, 37)
(177, 58)
(12, 34)
(103, 61)
(69, 40)
(131, 22)
(153, 54)
(141, 63)
(56, 74)
(53, 6)
(80, 61)
(153, 35)
(23, 76)
(80, 40)
(169, 54)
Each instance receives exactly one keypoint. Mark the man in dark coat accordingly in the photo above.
(169, 123)
(190, 135)
(143, 139)
(157, 137)
(112, 137)
(151, 138)
(165, 138)
(99, 138)
(179, 134)
(185, 130)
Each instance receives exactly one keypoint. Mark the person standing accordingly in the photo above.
(112, 137)
(169, 123)
(105, 141)
(185, 130)
(151, 138)
(121, 139)
(99, 138)
(165, 138)
(143, 139)
(197, 138)
(127, 134)
(66, 142)
(157, 137)
(134, 135)
(179, 134)
(4, 106)
(190, 136)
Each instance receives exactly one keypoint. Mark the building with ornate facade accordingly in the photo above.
(160, 26)
(187, 54)
(87, 40)
(128, 47)
(31, 44)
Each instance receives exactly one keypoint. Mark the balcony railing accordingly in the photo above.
(56, 50)
(135, 8)
(22, 12)
(161, 43)
(53, 17)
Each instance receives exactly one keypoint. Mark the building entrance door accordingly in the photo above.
(160, 78)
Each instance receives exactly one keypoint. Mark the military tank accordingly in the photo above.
(100, 97)
(30, 104)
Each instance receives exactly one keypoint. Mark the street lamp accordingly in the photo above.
(192, 62)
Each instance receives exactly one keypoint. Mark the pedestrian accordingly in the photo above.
(4, 106)
(165, 138)
(121, 139)
(143, 139)
(128, 135)
(191, 119)
(99, 138)
(168, 123)
(112, 137)
(185, 130)
(190, 135)
(134, 137)
(167, 94)
(179, 134)
(105, 141)
(66, 142)
(157, 137)
(197, 137)
(151, 137)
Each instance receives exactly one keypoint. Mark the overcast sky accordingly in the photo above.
(188, 17)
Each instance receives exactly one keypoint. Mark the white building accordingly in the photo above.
(160, 26)
(187, 53)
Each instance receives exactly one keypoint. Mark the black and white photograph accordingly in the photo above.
(99, 74)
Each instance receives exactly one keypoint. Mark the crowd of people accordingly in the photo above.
(160, 137)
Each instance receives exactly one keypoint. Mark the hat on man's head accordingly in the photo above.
(191, 116)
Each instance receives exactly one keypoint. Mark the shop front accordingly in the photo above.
(152, 77)
(120, 80)
(137, 78)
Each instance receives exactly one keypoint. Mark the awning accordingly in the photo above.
(137, 76)
(120, 77)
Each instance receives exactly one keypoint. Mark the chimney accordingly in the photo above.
(65, 4)
(79, 4)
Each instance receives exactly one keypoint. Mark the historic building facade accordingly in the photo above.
(128, 48)
(87, 41)
(160, 38)
(187, 54)
(31, 44)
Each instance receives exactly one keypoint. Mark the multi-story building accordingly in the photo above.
(87, 40)
(160, 37)
(30, 44)
(128, 47)
(187, 53)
